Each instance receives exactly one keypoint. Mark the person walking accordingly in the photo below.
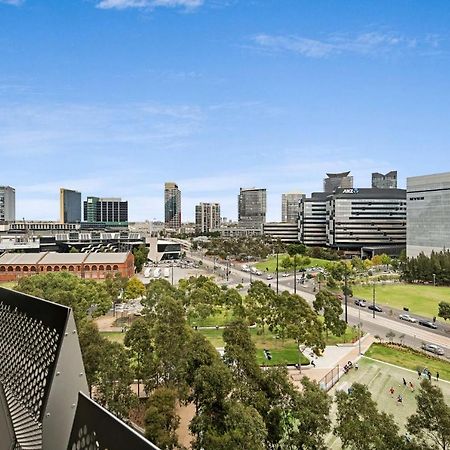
(391, 391)
(429, 375)
(411, 386)
(419, 373)
(399, 400)
(404, 382)
(437, 376)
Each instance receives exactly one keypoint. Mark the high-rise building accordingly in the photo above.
(252, 204)
(172, 205)
(105, 210)
(337, 180)
(7, 204)
(207, 217)
(428, 224)
(313, 219)
(387, 181)
(69, 206)
(290, 207)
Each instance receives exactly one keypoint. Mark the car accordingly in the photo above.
(428, 324)
(375, 308)
(269, 277)
(361, 303)
(433, 348)
(407, 317)
(285, 275)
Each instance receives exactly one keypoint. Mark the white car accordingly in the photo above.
(407, 317)
(433, 348)
(285, 275)
(269, 277)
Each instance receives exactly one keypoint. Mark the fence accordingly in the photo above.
(330, 379)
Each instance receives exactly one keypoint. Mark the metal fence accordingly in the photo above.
(330, 379)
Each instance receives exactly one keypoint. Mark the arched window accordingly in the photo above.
(115, 267)
(49, 269)
(10, 269)
(56, 269)
(33, 269)
(63, 268)
(101, 267)
(25, 268)
(108, 267)
(71, 269)
(87, 268)
(2, 269)
(18, 269)
(94, 268)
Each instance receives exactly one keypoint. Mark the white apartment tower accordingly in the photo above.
(207, 217)
(7, 204)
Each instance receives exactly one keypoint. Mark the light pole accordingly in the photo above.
(277, 269)
(346, 296)
(227, 267)
(359, 327)
(172, 272)
(373, 299)
(434, 280)
(295, 274)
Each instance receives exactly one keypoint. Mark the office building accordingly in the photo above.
(428, 224)
(337, 180)
(290, 207)
(313, 220)
(69, 206)
(386, 181)
(358, 218)
(105, 210)
(284, 232)
(355, 219)
(172, 206)
(252, 205)
(7, 204)
(207, 217)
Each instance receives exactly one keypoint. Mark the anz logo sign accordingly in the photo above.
(350, 191)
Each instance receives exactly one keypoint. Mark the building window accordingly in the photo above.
(49, 269)
(115, 267)
(17, 268)
(2, 269)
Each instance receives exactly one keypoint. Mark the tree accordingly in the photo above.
(386, 260)
(134, 289)
(92, 346)
(430, 425)
(138, 340)
(161, 420)
(332, 310)
(360, 426)
(311, 417)
(83, 296)
(114, 379)
(444, 310)
(286, 263)
(296, 249)
(390, 335)
(257, 303)
(140, 256)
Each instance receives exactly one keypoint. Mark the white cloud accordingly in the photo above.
(149, 4)
(12, 2)
(369, 43)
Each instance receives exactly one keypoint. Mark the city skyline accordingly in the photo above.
(217, 95)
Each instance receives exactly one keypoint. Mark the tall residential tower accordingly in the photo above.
(290, 207)
(172, 205)
(207, 217)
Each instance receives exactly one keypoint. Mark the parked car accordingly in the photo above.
(407, 317)
(361, 303)
(375, 308)
(285, 275)
(269, 277)
(428, 324)
(433, 348)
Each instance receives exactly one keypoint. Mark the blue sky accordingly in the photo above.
(114, 97)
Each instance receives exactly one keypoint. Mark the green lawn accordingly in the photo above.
(350, 336)
(8, 284)
(283, 352)
(420, 299)
(221, 318)
(409, 359)
(113, 336)
(271, 263)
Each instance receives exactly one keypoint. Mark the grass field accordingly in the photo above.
(8, 284)
(271, 263)
(113, 336)
(420, 299)
(380, 377)
(410, 359)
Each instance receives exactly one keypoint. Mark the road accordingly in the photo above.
(414, 335)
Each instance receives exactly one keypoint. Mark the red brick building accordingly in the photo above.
(85, 265)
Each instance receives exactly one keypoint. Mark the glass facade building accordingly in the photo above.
(105, 210)
(70, 206)
(172, 206)
(252, 206)
(290, 207)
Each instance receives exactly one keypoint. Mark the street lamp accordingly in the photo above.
(359, 327)
(434, 280)
(277, 269)
(373, 299)
(346, 296)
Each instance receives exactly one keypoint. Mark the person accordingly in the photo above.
(356, 366)
(404, 382)
(392, 391)
(313, 363)
(419, 374)
(437, 376)
(411, 386)
(429, 375)
(399, 399)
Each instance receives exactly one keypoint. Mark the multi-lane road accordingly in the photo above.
(411, 334)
